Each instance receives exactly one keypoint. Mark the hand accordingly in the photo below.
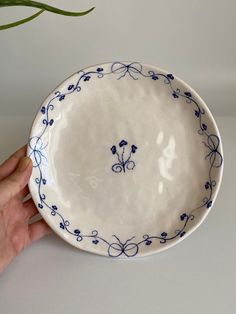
(15, 231)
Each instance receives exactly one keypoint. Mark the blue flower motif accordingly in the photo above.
(209, 204)
(95, 241)
(70, 87)
(44, 181)
(40, 205)
(164, 234)
(87, 78)
(155, 77)
(62, 97)
(134, 148)
(182, 234)
(148, 242)
(183, 216)
(123, 143)
(113, 149)
(175, 95)
(170, 76)
(99, 69)
(51, 122)
(62, 225)
(188, 94)
(54, 207)
(204, 126)
(43, 110)
(77, 231)
(197, 114)
(207, 185)
(124, 159)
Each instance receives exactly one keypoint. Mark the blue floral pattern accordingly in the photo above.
(123, 163)
(131, 246)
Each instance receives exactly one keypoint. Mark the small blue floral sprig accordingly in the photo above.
(124, 163)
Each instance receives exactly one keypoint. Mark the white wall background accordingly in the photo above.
(193, 39)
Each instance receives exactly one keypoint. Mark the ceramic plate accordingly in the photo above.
(127, 159)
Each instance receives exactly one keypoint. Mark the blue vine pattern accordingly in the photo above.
(130, 247)
(123, 164)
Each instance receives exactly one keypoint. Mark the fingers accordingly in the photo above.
(30, 209)
(38, 229)
(10, 164)
(23, 193)
(13, 184)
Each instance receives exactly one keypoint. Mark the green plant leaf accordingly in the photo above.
(2, 27)
(42, 6)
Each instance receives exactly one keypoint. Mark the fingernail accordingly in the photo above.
(23, 164)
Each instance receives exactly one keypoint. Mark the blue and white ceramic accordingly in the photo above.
(127, 159)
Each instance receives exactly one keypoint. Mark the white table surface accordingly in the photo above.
(197, 276)
(194, 40)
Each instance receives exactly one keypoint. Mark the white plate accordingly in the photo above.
(127, 159)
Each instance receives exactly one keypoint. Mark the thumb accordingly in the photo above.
(14, 183)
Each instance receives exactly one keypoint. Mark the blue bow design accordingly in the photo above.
(131, 69)
(214, 155)
(36, 146)
(116, 249)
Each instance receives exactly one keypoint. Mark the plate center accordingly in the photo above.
(128, 158)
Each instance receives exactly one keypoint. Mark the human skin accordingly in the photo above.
(16, 233)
